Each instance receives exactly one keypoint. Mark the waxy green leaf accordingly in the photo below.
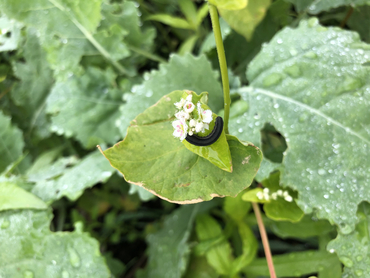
(86, 107)
(149, 147)
(312, 84)
(354, 249)
(315, 7)
(62, 179)
(30, 249)
(11, 142)
(36, 79)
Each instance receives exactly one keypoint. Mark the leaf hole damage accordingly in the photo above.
(273, 143)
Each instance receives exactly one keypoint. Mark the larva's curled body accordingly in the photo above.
(210, 138)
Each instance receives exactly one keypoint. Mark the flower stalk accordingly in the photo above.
(223, 66)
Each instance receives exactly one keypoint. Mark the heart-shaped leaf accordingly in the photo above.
(149, 156)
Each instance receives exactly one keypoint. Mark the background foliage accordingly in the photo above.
(73, 74)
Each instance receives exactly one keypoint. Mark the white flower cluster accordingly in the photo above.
(185, 123)
(265, 195)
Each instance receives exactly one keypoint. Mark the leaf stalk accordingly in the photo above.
(265, 240)
(223, 66)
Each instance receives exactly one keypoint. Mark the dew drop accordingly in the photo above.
(28, 274)
(272, 79)
(310, 55)
(321, 172)
(5, 224)
(74, 258)
(276, 105)
(293, 71)
(359, 258)
(346, 261)
(65, 274)
(240, 130)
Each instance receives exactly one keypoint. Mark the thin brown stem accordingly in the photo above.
(344, 22)
(265, 240)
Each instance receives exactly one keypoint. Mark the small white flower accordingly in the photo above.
(285, 193)
(288, 198)
(206, 126)
(181, 129)
(279, 192)
(180, 104)
(274, 196)
(266, 190)
(260, 195)
(199, 127)
(204, 115)
(192, 123)
(189, 97)
(191, 132)
(182, 115)
(189, 107)
(266, 196)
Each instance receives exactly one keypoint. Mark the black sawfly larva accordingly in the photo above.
(210, 138)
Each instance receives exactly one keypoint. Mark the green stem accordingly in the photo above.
(223, 66)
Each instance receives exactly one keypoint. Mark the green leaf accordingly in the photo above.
(180, 73)
(86, 107)
(36, 79)
(218, 256)
(168, 248)
(249, 248)
(172, 21)
(10, 34)
(14, 197)
(189, 10)
(144, 194)
(280, 210)
(294, 264)
(30, 249)
(229, 4)
(199, 268)
(149, 147)
(353, 249)
(201, 14)
(56, 181)
(236, 208)
(244, 21)
(11, 142)
(360, 22)
(188, 45)
(310, 84)
(308, 226)
(68, 31)
(315, 7)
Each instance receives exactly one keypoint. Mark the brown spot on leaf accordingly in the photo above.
(182, 185)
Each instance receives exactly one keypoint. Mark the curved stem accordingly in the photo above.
(265, 240)
(223, 66)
